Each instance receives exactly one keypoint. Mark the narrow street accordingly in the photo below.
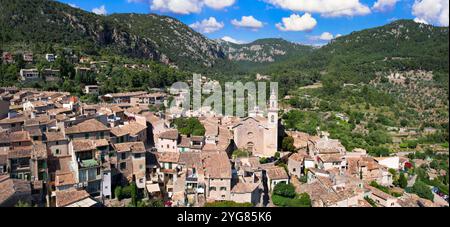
(297, 184)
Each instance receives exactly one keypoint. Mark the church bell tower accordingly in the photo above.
(272, 113)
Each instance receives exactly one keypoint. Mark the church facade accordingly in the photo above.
(258, 133)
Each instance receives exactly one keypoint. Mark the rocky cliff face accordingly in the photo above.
(263, 50)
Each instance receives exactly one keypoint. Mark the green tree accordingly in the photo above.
(118, 193)
(288, 144)
(284, 190)
(189, 126)
(402, 181)
(134, 194)
(422, 190)
(22, 204)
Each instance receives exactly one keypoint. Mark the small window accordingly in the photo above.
(58, 152)
(223, 188)
(86, 136)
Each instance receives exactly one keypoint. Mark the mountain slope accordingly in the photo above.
(43, 21)
(399, 46)
(264, 50)
(153, 37)
(179, 42)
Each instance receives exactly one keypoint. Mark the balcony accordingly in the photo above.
(192, 178)
(20, 168)
(88, 163)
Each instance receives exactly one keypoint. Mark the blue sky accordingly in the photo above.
(305, 21)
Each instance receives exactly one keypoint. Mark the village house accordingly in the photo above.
(50, 57)
(381, 198)
(168, 141)
(191, 144)
(367, 169)
(194, 178)
(27, 75)
(12, 124)
(91, 89)
(276, 175)
(38, 162)
(61, 177)
(7, 58)
(19, 162)
(57, 143)
(4, 109)
(86, 163)
(27, 57)
(217, 171)
(14, 190)
(131, 161)
(75, 198)
(330, 161)
(244, 192)
(168, 172)
(130, 132)
(15, 139)
(325, 146)
(89, 129)
(82, 70)
(313, 174)
(389, 162)
(301, 139)
(148, 99)
(118, 98)
(331, 189)
(38, 107)
(296, 164)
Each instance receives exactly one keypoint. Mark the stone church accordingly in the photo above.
(257, 133)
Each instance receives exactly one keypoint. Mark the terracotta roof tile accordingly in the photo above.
(91, 125)
(67, 197)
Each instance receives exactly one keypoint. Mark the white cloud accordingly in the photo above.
(325, 36)
(219, 4)
(297, 23)
(338, 35)
(207, 25)
(178, 6)
(73, 5)
(420, 21)
(232, 40)
(327, 8)
(100, 10)
(247, 22)
(384, 5)
(431, 11)
(186, 6)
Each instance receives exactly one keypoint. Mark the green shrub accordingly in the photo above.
(284, 190)
(422, 190)
(118, 193)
